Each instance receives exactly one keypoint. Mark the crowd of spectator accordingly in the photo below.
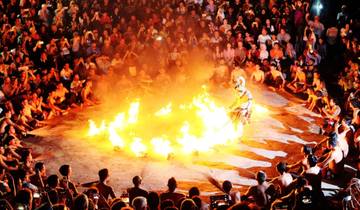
(52, 52)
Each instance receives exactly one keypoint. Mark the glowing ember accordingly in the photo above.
(198, 126)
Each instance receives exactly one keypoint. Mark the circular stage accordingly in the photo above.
(275, 136)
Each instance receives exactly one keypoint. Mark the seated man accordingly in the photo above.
(234, 195)
(298, 84)
(284, 179)
(87, 94)
(65, 182)
(38, 179)
(60, 95)
(259, 193)
(302, 197)
(303, 163)
(312, 99)
(342, 136)
(333, 157)
(332, 111)
(105, 191)
(314, 176)
(275, 78)
(136, 190)
(257, 75)
(171, 194)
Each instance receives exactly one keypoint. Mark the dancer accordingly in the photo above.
(240, 110)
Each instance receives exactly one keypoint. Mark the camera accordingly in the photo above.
(219, 200)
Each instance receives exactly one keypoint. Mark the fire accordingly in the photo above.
(138, 148)
(196, 126)
(161, 146)
(164, 111)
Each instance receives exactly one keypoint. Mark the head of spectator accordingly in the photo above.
(40, 169)
(104, 175)
(260, 177)
(137, 181)
(240, 206)
(53, 181)
(81, 202)
(281, 167)
(153, 201)
(65, 171)
(307, 150)
(194, 191)
(139, 203)
(118, 204)
(333, 140)
(188, 204)
(166, 204)
(312, 160)
(172, 184)
(227, 186)
(24, 199)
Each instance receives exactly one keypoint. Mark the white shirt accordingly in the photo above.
(313, 170)
(285, 179)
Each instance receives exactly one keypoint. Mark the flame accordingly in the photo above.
(164, 111)
(94, 130)
(161, 146)
(133, 112)
(138, 148)
(197, 126)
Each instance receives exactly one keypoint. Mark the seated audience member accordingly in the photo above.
(167, 204)
(303, 163)
(314, 176)
(105, 190)
(153, 201)
(136, 190)
(332, 158)
(257, 75)
(275, 78)
(302, 197)
(87, 94)
(24, 199)
(118, 205)
(284, 179)
(171, 194)
(139, 203)
(298, 84)
(234, 195)
(188, 204)
(65, 182)
(312, 99)
(81, 202)
(259, 193)
(342, 136)
(331, 111)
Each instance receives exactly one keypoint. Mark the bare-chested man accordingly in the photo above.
(257, 75)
